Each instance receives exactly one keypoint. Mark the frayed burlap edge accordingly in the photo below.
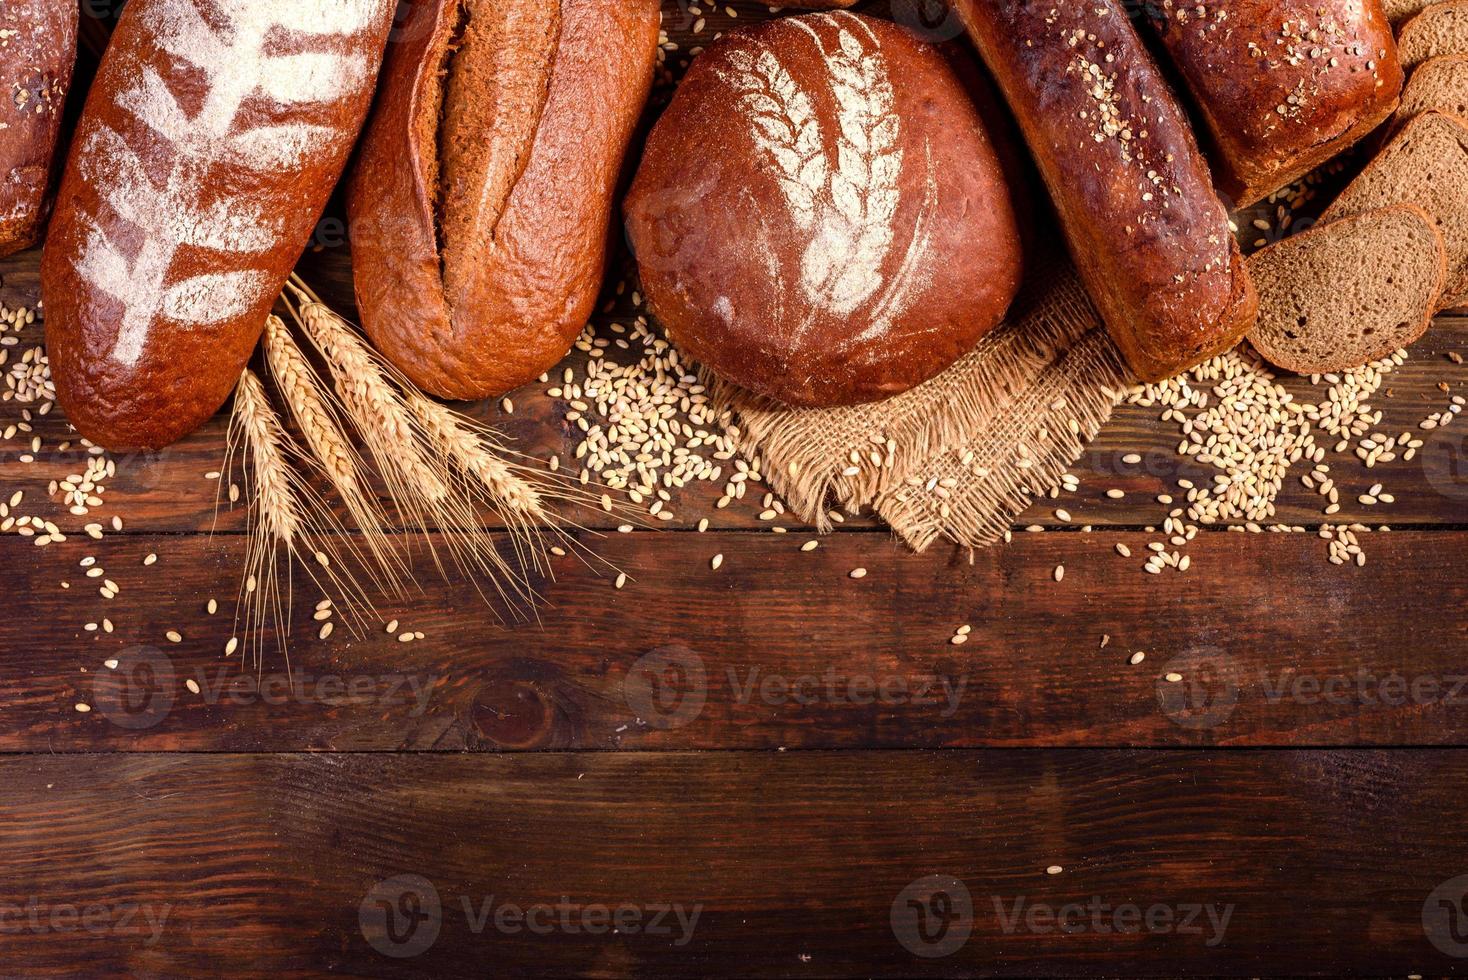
(854, 454)
(970, 494)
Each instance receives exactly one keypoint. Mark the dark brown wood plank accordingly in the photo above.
(777, 649)
(1313, 863)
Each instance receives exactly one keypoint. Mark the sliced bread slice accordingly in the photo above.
(1441, 28)
(1438, 83)
(1340, 295)
(1399, 10)
(1425, 164)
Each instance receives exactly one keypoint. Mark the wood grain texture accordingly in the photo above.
(792, 863)
(776, 649)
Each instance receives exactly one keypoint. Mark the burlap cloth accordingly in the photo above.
(960, 456)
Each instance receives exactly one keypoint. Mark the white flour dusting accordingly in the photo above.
(168, 208)
(846, 201)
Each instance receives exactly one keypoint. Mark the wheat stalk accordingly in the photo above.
(421, 480)
(288, 518)
(331, 451)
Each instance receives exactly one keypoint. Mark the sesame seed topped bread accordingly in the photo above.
(1441, 28)
(1283, 85)
(1340, 295)
(1425, 164)
(1438, 83)
(1145, 226)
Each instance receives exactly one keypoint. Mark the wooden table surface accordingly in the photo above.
(768, 770)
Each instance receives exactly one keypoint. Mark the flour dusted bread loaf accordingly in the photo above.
(1283, 85)
(481, 202)
(1146, 229)
(210, 141)
(819, 215)
(37, 55)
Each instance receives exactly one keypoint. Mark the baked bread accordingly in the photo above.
(819, 215)
(1340, 295)
(1398, 11)
(37, 55)
(209, 144)
(1438, 83)
(1441, 28)
(482, 198)
(1425, 164)
(1283, 85)
(1148, 233)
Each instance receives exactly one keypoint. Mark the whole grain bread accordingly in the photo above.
(1400, 11)
(37, 54)
(1425, 164)
(1441, 28)
(1136, 201)
(482, 198)
(1438, 83)
(1342, 294)
(820, 215)
(1283, 85)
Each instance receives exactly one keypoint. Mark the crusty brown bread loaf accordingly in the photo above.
(1425, 164)
(819, 215)
(1340, 295)
(481, 201)
(1135, 198)
(1441, 28)
(210, 142)
(1283, 85)
(37, 55)
(1438, 83)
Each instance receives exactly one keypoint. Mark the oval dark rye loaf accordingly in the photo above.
(483, 195)
(210, 142)
(1146, 229)
(37, 55)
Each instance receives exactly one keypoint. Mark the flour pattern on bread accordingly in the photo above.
(238, 58)
(839, 175)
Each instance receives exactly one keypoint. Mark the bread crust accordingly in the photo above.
(1283, 85)
(820, 216)
(512, 314)
(1148, 233)
(37, 57)
(209, 144)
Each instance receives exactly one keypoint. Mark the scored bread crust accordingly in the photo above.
(1146, 229)
(1278, 297)
(36, 62)
(503, 301)
(1283, 85)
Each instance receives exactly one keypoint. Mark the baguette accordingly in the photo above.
(1148, 233)
(37, 55)
(208, 146)
(482, 199)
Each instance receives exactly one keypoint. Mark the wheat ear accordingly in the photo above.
(288, 518)
(420, 481)
(334, 455)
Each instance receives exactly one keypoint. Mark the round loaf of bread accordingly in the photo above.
(820, 216)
